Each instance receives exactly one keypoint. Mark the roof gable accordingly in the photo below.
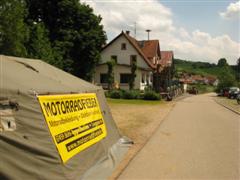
(135, 45)
(166, 58)
(150, 48)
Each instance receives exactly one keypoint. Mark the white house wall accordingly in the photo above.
(123, 56)
(119, 69)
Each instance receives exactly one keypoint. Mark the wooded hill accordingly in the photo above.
(201, 68)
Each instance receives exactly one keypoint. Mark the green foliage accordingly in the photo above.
(65, 33)
(151, 95)
(226, 79)
(39, 46)
(110, 73)
(238, 70)
(222, 62)
(133, 75)
(202, 88)
(131, 94)
(13, 31)
(115, 94)
(74, 31)
(201, 68)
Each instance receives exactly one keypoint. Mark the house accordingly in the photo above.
(124, 50)
(211, 80)
(165, 74)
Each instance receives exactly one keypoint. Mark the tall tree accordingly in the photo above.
(226, 79)
(39, 45)
(222, 62)
(74, 30)
(13, 31)
(238, 70)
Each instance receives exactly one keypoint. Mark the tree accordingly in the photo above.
(75, 32)
(110, 73)
(132, 75)
(13, 31)
(226, 79)
(222, 62)
(238, 69)
(39, 45)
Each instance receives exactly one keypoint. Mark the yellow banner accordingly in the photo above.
(75, 122)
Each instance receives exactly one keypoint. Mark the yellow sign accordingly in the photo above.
(75, 122)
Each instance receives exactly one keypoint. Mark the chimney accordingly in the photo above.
(148, 32)
(128, 32)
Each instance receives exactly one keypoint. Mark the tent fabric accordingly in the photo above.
(27, 150)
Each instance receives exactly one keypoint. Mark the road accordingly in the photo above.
(198, 140)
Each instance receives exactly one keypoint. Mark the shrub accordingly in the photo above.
(131, 94)
(151, 95)
(115, 94)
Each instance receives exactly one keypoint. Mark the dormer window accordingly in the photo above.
(123, 46)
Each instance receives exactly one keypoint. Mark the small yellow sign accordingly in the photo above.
(75, 122)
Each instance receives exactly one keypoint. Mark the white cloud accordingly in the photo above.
(121, 15)
(232, 11)
(151, 14)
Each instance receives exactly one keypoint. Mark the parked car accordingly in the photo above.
(233, 92)
(193, 90)
(223, 92)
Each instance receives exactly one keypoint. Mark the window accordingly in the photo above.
(133, 58)
(114, 57)
(123, 46)
(103, 78)
(124, 78)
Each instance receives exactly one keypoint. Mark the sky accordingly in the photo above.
(197, 30)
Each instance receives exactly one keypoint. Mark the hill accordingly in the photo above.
(199, 68)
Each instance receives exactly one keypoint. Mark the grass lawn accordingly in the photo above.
(134, 101)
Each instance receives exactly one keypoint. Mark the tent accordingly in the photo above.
(29, 149)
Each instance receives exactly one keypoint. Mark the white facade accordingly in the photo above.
(123, 66)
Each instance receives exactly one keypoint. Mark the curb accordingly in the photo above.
(229, 108)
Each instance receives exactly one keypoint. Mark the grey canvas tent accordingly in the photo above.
(27, 150)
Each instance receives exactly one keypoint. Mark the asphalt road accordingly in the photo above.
(198, 140)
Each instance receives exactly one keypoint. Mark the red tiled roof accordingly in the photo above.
(134, 42)
(166, 58)
(149, 48)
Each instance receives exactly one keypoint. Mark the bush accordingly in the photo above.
(115, 94)
(151, 95)
(131, 94)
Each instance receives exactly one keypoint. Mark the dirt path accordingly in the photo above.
(199, 140)
(138, 122)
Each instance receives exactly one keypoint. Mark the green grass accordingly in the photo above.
(134, 101)
(203, 88)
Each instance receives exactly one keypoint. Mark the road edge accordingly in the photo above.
(227, 107)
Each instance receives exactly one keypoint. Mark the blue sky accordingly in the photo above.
(204, 15)
(195, 30)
